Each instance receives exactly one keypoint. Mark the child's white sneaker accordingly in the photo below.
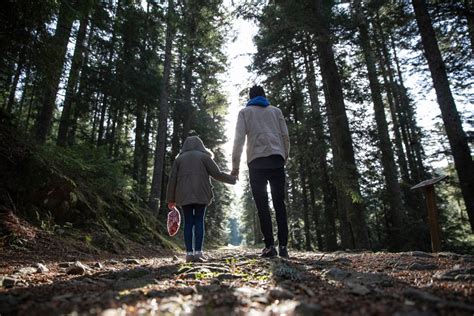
(189, 257)
(199, 257)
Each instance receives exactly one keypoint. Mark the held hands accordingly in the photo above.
(235, 173)
(171, 205)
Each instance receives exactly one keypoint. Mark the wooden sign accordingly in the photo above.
(428, 190)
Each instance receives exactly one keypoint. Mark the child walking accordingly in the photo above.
(189, 187)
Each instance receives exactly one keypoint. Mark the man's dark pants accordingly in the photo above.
(258, 182)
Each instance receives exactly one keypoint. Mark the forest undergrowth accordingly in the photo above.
(77, 196)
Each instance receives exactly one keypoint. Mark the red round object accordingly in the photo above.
(174, 220)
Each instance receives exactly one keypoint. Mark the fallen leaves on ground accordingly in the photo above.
(236, 281)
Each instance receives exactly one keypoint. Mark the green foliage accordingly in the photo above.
(76, 191)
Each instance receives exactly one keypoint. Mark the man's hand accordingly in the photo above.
(171, 205)
(235, 173)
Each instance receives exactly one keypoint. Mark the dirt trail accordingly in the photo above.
(236, 281)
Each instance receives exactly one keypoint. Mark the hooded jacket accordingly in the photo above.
(265, 129)
(189, 181)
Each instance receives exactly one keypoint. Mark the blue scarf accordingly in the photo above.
(260, 101)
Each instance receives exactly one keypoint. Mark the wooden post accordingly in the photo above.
(432, 218)
(428, 190)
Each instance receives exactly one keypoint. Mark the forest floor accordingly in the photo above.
(235, 281)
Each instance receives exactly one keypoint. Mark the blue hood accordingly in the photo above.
(260, 101)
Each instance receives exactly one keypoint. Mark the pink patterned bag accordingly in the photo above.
(174, 220)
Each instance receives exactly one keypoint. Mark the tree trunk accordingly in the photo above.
(143, 180)
(188, 110)
(387, 74)
(29, 115)
(415, 208)
(452, 122)
(64, 121)
(138, 149)
(296, 101)
(346, 169)
(155, 192)
(100, 131)
(23, 96)
(469, 13)
(55, 59)
(16, 78)
(316, 213)
(321, 155)
(177, 105)
(80, 100)
(397, 208)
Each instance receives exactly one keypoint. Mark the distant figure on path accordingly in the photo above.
(268, 147)
(190, 188)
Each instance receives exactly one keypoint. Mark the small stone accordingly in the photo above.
(278, 293)
(111, 262)
(422, 266)
(98, 265)
(357, 289)
(456, 275)
(112, 312)
(282, 308)
(9, 282)
(65, 264)
(78, 268)
(186, 291)
(336, 274)
(307, 309)
(26, 271)
(447, 254)
(420, 254)
(249, 291)
(41, 268)
(131, 261)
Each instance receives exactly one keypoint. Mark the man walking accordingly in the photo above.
(268, 146)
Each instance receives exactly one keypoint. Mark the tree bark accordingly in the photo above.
(23, 96)
(346, 170)
(397, 208)
(138, 148)
(156, 184)
(16, 78)
(387, 74)
(100, 131)
(452, 122)
(55, 60)
(469, 13)
(321, 155)
(64, 121)
(143, 180)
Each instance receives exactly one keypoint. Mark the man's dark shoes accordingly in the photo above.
(283, 251)
(269, 252)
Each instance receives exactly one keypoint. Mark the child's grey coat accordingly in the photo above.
(189, 181)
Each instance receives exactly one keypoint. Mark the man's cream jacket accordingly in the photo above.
(266, 133)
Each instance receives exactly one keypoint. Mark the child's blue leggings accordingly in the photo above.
(194, 219)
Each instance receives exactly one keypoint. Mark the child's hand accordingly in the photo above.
(235, 173)
(171, 205)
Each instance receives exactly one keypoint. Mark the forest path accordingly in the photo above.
(236, 281)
